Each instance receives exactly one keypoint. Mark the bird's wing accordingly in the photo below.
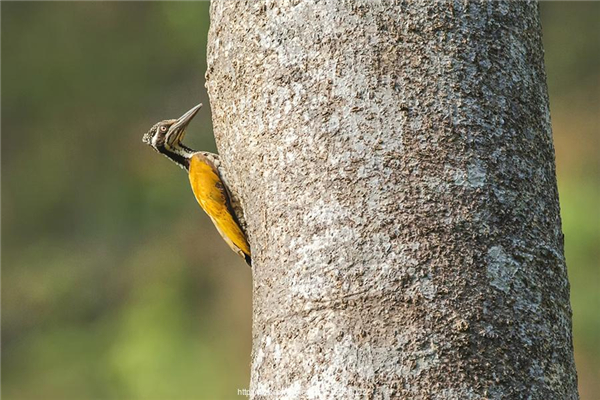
(234, 201)
(232, 245)
(213, 197)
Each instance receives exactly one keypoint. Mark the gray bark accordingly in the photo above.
(396, 168)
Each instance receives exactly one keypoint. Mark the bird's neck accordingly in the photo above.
(180, 155)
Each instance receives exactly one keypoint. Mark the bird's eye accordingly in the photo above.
(163, 128)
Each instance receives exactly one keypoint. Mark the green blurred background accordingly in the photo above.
(115, 285)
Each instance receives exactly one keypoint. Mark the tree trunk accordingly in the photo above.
(396, 167)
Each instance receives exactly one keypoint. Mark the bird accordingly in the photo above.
(206, 179)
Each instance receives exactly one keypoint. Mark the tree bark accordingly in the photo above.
(396, 167)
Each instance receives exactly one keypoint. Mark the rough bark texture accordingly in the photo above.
(396, 166)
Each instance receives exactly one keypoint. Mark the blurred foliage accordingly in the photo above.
(572, 45)
(115, 285)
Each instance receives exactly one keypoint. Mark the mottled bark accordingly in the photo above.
(396, 167)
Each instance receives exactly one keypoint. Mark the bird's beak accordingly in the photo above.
(177, 130)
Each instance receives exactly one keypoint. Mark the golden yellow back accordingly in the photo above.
(214, 200)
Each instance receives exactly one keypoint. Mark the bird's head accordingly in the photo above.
(165, 137)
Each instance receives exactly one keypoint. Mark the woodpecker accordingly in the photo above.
(206, 179)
